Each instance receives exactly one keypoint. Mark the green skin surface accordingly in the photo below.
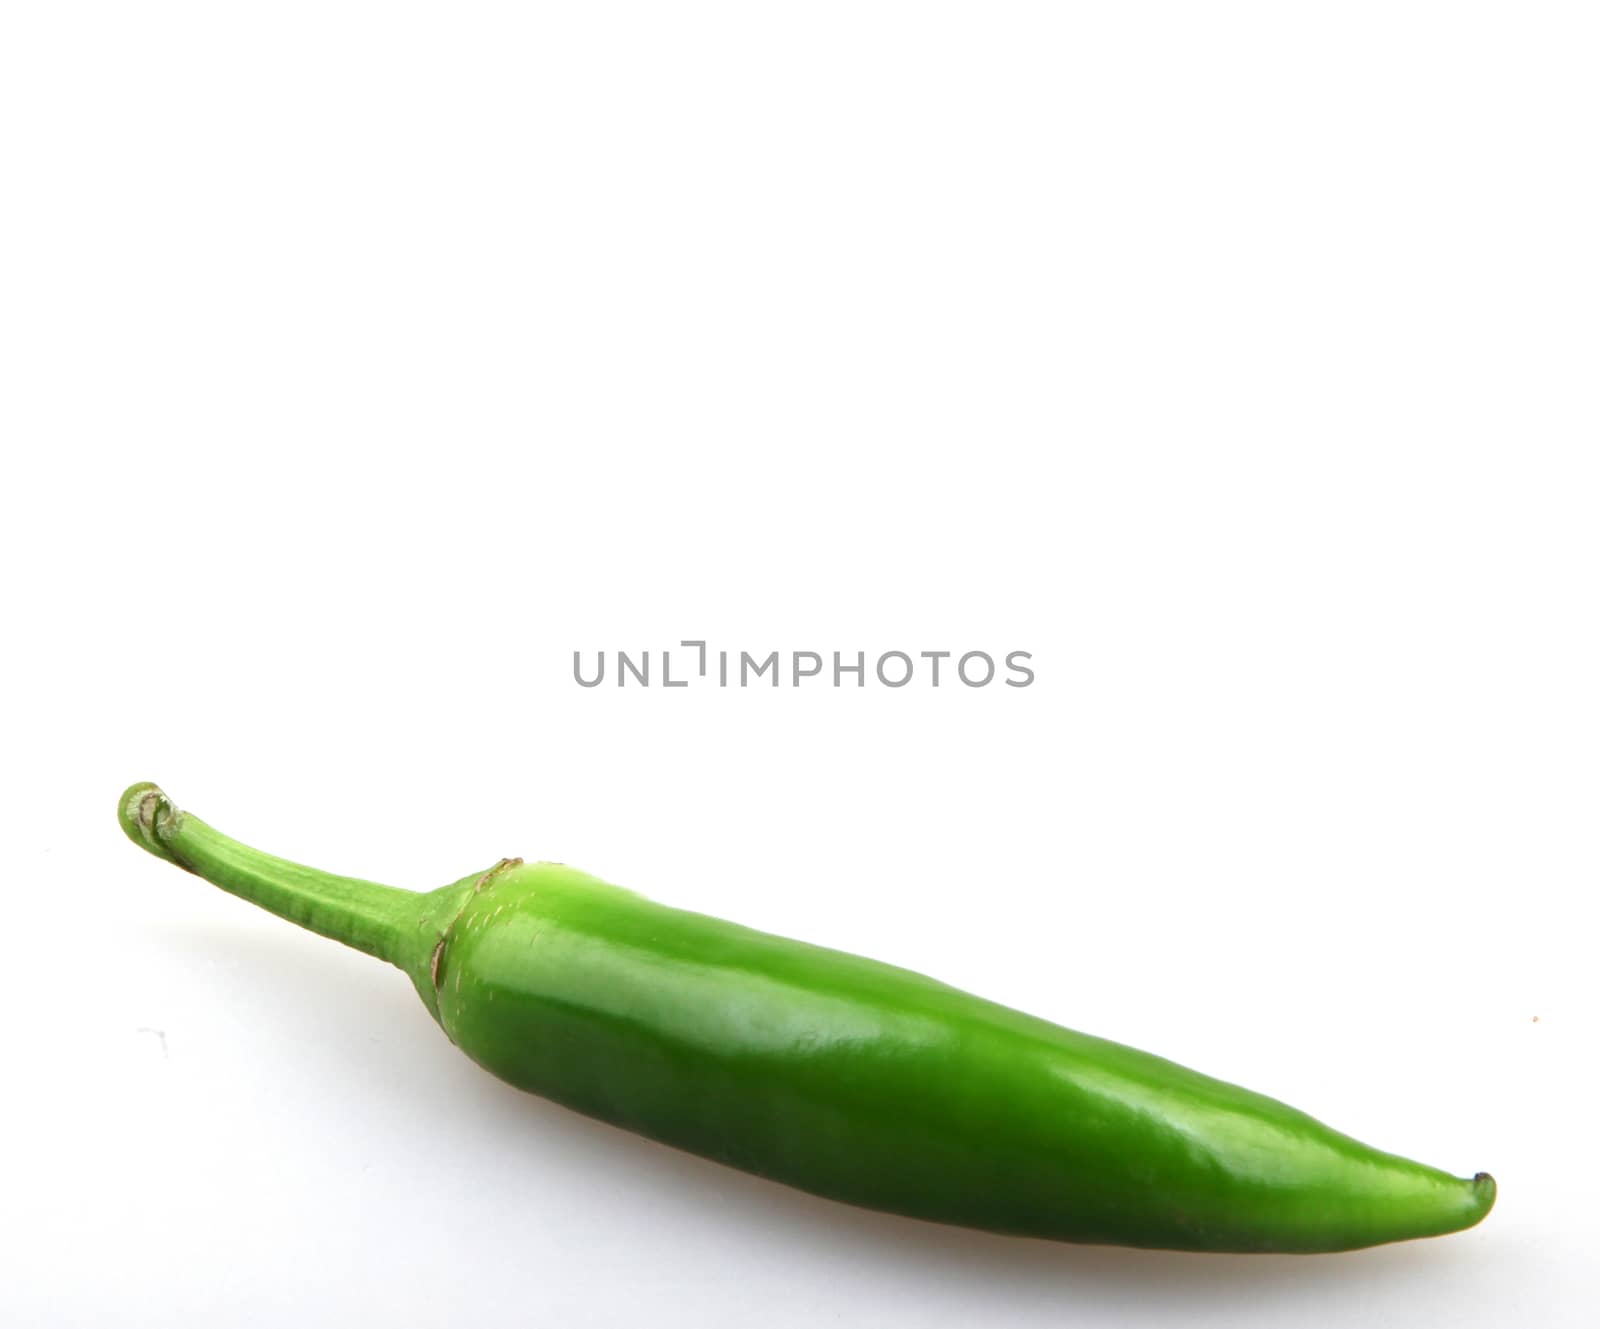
(836, 1074)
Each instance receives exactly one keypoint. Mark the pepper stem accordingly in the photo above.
(379, 920)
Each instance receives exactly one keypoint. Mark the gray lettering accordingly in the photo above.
(894, 655)
(808, 664)
(577, 673)
(746, 660)
(1011, 664)
(961, 668)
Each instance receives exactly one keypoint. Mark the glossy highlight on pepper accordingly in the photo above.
(835, 1074)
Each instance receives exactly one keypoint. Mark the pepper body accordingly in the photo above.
(849, 1078)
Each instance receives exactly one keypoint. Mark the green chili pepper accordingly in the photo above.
(836, 1074)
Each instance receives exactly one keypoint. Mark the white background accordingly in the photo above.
(362, 362)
